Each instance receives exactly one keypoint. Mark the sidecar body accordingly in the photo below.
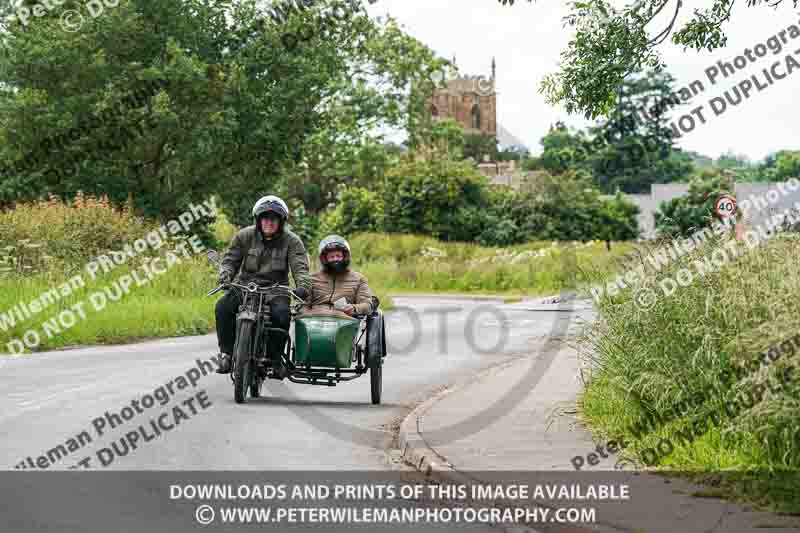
(328, 349)
(325, 341)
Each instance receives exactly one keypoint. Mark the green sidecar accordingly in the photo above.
(326, 347)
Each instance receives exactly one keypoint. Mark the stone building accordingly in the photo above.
(469, 100)
(472, 102)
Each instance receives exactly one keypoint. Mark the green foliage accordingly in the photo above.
(450, 201)
(780, 166)
(478, 145)
(238, 113)
(647, 362)
(67, 234)
(357, 210)
(513, 153)
(329, 167)
(568, 207)
(562, 150)
(403, 263)
(631, 150)
(443, 138)
(423, 196)
(610, 43)
(686, 214)
(303, 223)
(628, 151)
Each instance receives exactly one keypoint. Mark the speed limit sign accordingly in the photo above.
(725, 206)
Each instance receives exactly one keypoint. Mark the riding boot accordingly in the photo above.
(224, 364)
(276, 347)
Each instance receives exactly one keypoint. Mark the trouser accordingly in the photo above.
(226, 310)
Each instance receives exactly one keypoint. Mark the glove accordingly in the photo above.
(300, 292)
(225, 277)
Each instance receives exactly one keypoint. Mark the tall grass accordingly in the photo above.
(48, 242)
(403, 263)
(172, 304)
(648, 361)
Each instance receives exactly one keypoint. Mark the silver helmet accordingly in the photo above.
(334, 242)
(273, 204)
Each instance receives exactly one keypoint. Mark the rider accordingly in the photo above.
(335, 280)
(264, 252)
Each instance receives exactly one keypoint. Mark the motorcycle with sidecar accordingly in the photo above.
(323, 351)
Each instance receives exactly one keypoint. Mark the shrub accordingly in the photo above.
(567, 207)
(684, 215)
(69, 232)
(357, 210)
(424, 196)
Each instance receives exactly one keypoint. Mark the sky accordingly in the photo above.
(527, 39)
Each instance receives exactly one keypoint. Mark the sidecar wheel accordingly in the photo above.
(376, 381)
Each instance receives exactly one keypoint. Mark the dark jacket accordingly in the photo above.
(262, 260)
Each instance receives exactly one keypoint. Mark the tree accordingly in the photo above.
(631, 148)
(563, 150)
(357, 210)
(611, 44)
(569, 207)
(478, 145)
(329, 167)
(513, 153)
(424, 195)
(241, 107)
(686, 214)
(780, 166)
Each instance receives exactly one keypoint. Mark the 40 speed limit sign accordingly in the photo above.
(725, 206)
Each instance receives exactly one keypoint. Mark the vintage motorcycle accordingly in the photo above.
(323, 352)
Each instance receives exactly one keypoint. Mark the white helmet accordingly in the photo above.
(273, 204)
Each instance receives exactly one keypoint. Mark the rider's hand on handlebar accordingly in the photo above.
(300, 292)
(225, 277)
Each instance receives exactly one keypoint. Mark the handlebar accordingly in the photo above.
(253, 288)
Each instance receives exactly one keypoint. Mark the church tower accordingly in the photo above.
(469, 100)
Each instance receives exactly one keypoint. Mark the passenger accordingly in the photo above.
(335, 281)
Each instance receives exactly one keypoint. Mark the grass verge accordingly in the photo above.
(690, 382)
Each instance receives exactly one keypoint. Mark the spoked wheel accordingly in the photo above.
(376, 380)
(243, 365)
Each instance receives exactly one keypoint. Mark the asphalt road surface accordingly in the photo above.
(157, 406)
(57, 398)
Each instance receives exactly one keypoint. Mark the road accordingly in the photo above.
(59, 407)
(433, 342)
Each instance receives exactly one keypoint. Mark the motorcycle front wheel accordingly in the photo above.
(243, 362)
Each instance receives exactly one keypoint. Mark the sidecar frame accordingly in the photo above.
(368, 351)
